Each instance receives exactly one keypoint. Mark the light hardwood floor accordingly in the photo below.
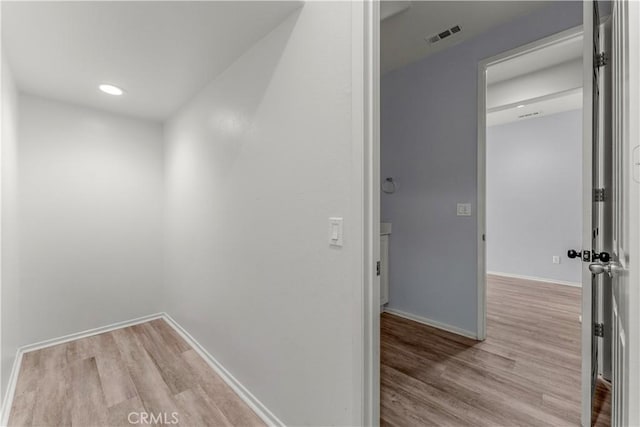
(526, 373)
(100, 380)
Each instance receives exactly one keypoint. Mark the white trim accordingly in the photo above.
(481, 208)
(542, 43)
(13, 379)
(536, 279)
(261, 410)
(365, 83)
(433, 323)
(258, 407)
(11, 389)
(632, 38)
(482, 163)
(88, 333)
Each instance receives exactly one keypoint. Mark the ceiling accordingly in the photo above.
(402, 35)
(160, 53)
(547, 57)
(538, 107)
(547, 81)
(538, 83)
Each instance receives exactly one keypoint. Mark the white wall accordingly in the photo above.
(534, 196)
(9, 281)
(256, 164)
(91, 197)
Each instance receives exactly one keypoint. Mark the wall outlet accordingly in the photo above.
(556, 259)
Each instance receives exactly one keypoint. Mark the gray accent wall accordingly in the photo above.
(534, 196)
(429, 146)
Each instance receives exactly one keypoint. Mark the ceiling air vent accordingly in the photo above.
(443, 34)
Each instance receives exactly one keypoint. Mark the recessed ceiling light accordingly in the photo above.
(111, 89)
(520, 106)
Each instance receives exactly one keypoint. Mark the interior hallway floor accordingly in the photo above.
(526, 373)
(103, 379)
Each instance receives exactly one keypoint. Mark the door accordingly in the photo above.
(603, 204)
(615, 166)
(597, 222)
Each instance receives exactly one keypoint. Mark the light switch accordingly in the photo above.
(335, 231)
(464, 209)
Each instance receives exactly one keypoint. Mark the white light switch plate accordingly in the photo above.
(464, 209)
(335, 232)
(556, 259)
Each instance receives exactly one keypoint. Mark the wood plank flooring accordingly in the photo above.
(526, 373)
(143, 369)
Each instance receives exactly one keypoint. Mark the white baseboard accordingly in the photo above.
(11, 389)
(261, 410)
(89, 333)
(434, 323)
(536, 279)
(258, 407)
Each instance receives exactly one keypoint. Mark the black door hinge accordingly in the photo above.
(598, 195)
(601, 59)
(598, 330)
(378, 268)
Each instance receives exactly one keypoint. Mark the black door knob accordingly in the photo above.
(602, 256)
(573, 254)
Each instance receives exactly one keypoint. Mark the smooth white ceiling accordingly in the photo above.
(546, 81)
(530, 62)
(160, 53)
(544, 106)
(402, 38)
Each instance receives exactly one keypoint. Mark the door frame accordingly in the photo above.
(365, 64)
(562, 36)
(632, 143)
(366, 33)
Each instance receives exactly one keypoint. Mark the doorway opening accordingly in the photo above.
(444, 360)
